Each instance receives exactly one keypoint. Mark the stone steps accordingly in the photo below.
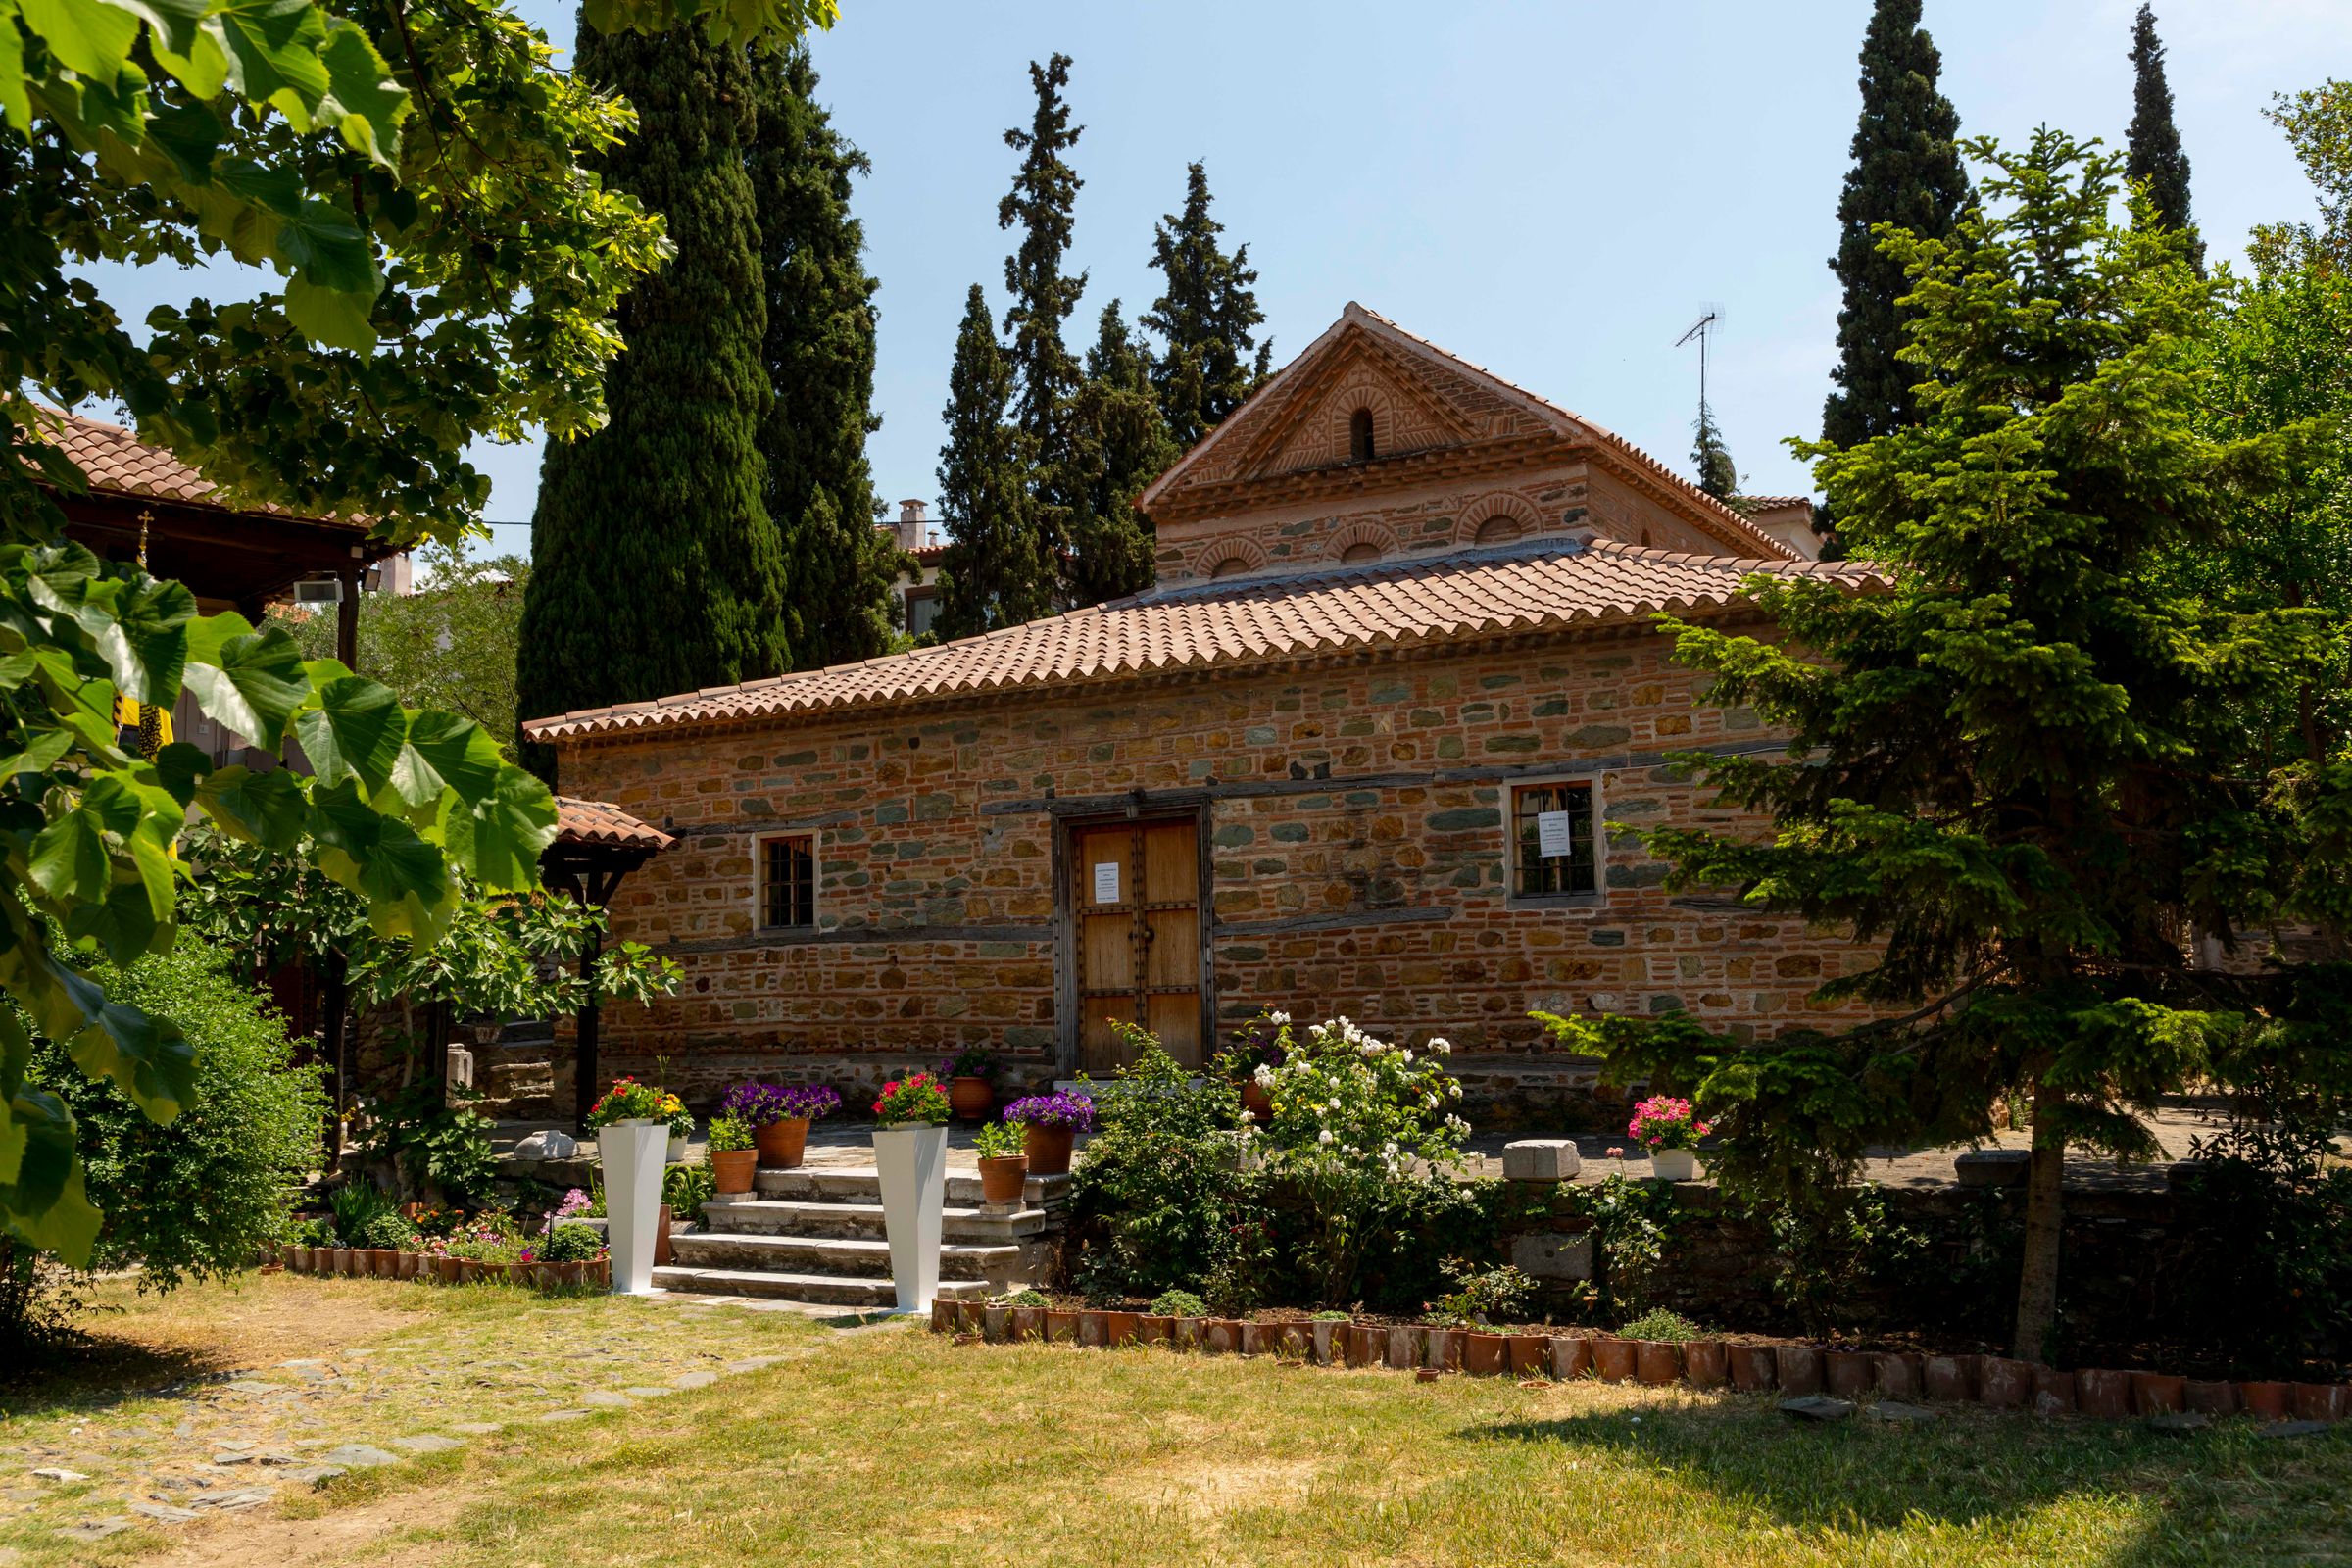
(832, 1254)
(837, 1183)
(813, 1290)
(767, 1216)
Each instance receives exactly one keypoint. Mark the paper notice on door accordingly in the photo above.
(1106, 881)
(1554, 834)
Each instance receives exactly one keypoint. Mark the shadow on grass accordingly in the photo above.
(92, 1368)
(2216, 1493)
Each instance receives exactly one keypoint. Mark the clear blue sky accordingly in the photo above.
(1550, 189)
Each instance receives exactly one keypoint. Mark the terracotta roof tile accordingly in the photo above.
(580, 822)
(118, 463)
(1552, 582)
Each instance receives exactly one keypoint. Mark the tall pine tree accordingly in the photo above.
(2154, 152)
(1044, 373)
(1718, 474)
(1906, 172)
(1119, 444)
(819, 354)
(999, 568)
(1207, 318)
(655, 567)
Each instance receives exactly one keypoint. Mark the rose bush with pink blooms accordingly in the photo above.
(1664, 1122)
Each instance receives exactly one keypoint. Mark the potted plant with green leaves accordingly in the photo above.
(910, 1157)
(971, 1078)
(734, 1156)
(1670, 1129)
(1003, 1162)
(631, 1123)
(779, 1115)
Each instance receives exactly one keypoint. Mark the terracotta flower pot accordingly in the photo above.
(1949, 1377)
(1656, 1363)
(1062, 1328)
(970, 1098)
(1155, 1328)
(1257, 1338)
(1571, 1354)
(1798, 1367)
(1899, 1376)
(1751, 1367)
(449, 1270)
(2054, 1392)
(1529, 1355)
(1122, 1328)
(1049, 1149)
(1290, 1341)
(2209, 1397)
(1255, 1101)
(1184, 1333)
(661, 1253)
(1002, 1178)
(1613, 1358)
(1221, 1335)
(571, 1273)
(347, 1261)
(1704, 1364)
(1028, 1323)
(2003, 1384)
(2158, 1393)
(780, 1145)
(387, 1263)
(1366, 1345)
(734, 1170)
(2318, 1401)
(942, 1315)
(604, 1272)
(1847, 1374)
(1404, 1350)
(2265, 1400)
(1094, 1329)
(1483, 1355)
(1328, 1337)
(2103, 1393)
(995, 1324)
(971, 1317)
(1444, 1349)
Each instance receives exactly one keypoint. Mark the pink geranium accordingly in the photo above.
(1663, 1121)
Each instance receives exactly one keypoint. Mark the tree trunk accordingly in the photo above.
(2046, 1214)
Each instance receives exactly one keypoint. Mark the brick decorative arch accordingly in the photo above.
(1346, 538)
(1497, 518)
(1215, 553)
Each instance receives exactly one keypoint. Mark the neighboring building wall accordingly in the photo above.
(1357, 820)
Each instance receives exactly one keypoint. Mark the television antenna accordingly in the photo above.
(1702, 330)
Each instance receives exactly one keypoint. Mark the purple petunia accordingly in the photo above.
(766, 1105)
(1060, 1108)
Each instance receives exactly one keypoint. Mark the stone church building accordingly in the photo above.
(1356, 752)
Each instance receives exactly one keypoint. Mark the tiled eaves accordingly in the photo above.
(1542, 587)
(579, 822)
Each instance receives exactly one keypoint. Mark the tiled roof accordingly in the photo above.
(1752, 505)
(118, 463)
(1543, 583)
(596, 822)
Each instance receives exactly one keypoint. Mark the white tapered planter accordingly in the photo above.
(912, 1162)
(632, 1154)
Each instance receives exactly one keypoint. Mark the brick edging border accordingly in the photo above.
(1797, 1370)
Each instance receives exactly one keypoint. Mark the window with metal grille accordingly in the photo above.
(788, 881)
(1554, 817)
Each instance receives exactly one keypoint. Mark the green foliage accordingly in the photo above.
(729, 1134)
(1206, 317)
(450, 646)
(1118, 444)
(1044, 373)
(193, 1198)
(655, 566)
(2023, 767)
(1632, 1234)
(1025, 1297)
(1660, 1325)
(1178, 1303)
(998, 569)
(388, 1231)
(1711, 460)
(818, 351)
(2154, 157)
(1834, 1257)
(1907, 174)
(686, 1189)
(441, 1150)
(999, 1140)
(358, 1205)
(1485, 1294)
(1157, 1197)
(573, 1243)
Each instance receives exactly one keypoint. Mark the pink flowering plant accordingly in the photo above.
(1664, 1122)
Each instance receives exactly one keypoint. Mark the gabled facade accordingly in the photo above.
(1358, 752)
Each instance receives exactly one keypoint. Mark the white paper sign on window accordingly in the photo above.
(1556, 834)
(1106, 881)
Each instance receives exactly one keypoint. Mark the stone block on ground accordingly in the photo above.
(1817, 1407)
(1899, 1413)
(1540, 1159)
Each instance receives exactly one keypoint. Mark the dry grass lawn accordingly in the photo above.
(887, 1446)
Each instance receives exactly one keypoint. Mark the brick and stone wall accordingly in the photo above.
(1356, 815)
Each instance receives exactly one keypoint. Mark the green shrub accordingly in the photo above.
(441, 1150)
(1660, 1324)
(1154, 1202)
(389, 1231)
(193, 1198)
(573, 1243)
(357, 1206)
(686, 1189)
(1501, 1294)
(1179, 1303)
(1025, 1298)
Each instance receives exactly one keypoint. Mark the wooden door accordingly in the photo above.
(1136, 895)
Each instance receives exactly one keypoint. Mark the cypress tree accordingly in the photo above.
(655, 567)
(1044, 373)
(1119, 444)
(1207, 318)
(2155, 158)
(1718, 474)
(999, 568)
(819, 355)
(1906, 172)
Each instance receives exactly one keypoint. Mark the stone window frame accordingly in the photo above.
(760, 879)
(1512, 896)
